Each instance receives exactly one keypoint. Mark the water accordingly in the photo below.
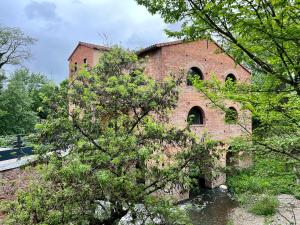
(211, 207)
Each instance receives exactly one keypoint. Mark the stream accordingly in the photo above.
(210, 207)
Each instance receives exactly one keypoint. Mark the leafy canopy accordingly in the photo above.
(14, 46)
(113, 120)
(265, 36)
(22, 102)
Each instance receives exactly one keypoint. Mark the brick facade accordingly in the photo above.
(203, 55)
(166, 58)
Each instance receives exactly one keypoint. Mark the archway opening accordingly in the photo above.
(231, 116)
(230, 77)
(193, 73)
(195, 116)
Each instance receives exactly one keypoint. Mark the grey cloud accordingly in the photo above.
(41, 10)
(58, 25)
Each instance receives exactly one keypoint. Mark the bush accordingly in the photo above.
(265, 206)
(8, 140)
(271, 176)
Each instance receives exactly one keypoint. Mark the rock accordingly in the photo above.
(223, 187)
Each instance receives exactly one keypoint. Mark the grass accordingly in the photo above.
(265, 206)
(258, 186)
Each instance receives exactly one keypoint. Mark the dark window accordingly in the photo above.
(194, 72)
(85, 60)
(195, 116)
(75, 67)
(231, 115)
(230, 77)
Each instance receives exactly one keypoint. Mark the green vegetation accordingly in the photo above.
(21, 93)
(14, 46)
(258, 186)
(116, 133)
(273, 176)
(263, 36)
(21, 102)
(265, 206)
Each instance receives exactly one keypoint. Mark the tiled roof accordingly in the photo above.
(159, 45)
(98, 47)
(89, 45)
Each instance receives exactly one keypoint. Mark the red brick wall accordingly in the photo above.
(81, 53)
(201, 54)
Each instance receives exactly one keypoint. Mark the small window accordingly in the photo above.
(75, 67)
(195, 116)
(231, 116)
(193, 73)
(85, 60)
(230, 77)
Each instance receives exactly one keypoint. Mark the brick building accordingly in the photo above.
(201, 58)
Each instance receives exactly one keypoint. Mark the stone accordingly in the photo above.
(223, 187)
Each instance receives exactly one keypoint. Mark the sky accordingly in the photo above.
(58, 25)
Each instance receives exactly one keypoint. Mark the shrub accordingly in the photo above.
(271, 176)
(265, 206)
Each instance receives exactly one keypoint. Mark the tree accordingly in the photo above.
(21, 102)
(2, 78)
(17, 116)
(264, 35)
(121, 151)
(14, 46)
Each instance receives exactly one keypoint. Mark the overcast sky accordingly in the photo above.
(58, 25)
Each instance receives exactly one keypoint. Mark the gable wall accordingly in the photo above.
(79, 54)
(201, 54)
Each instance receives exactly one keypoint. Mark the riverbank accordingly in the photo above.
(287, 213)
(268, 193)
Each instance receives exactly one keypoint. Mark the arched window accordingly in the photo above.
(231, 115)
(230, 77)
(195, 116)
(192, 73)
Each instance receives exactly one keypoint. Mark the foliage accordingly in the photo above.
(265, 206)
(264, 35)
(21, 102)
(8, 140)
(258, 186)
(14, 46)
(272, 176)
(2, 79)
(122, 152)
(16, 114)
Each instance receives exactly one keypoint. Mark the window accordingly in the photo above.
(75, 67)
(195, 116)
(230, 77)
(193, 73)
(231, 115)
(85, 60)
